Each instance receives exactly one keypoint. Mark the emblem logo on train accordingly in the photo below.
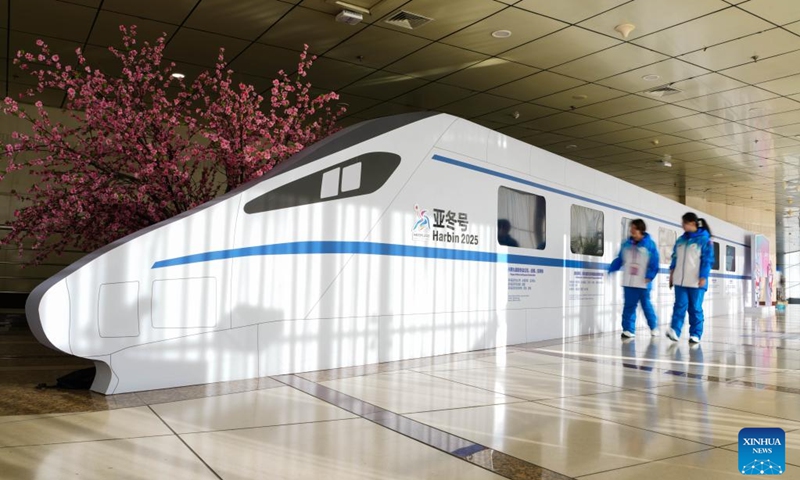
(422, 225)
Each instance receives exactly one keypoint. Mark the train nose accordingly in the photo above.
(47, 311)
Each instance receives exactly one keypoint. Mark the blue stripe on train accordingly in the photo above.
(385, 249)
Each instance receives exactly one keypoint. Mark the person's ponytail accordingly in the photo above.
(701, 223)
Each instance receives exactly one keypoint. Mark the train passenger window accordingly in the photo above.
(521, 219)
(586, 231)
(626, 228)
(351, 177)
(330, 184)
(360, 175)
(715, 266)
(666, 243)
(730, 258)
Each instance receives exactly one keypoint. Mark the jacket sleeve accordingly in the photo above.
(706, 260)
(617, 263)
(674, 257)
(652, 265)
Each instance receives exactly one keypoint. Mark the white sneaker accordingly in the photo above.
(654, 332)
(627, 334)
(694, 339)
(672, 335)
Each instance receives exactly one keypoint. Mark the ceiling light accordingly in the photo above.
(666, 160)
(625, 29)
(579, 97)
(178, 75)
(569, 147)
(501, 34)
(651, 77)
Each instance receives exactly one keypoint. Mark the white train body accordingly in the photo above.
(326, 262)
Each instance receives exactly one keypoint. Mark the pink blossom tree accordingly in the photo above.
(145, 145)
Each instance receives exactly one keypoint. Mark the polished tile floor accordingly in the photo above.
(593, 407)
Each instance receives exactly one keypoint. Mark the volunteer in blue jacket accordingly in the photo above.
(638, 260)
(692, 258)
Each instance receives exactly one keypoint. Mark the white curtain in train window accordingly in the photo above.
(526, 214)
(586, 231)
(666, 243)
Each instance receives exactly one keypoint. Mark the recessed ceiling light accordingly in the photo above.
(579, 97)
(651, 77)
(178, 75)
(569, 147)
(501, 34)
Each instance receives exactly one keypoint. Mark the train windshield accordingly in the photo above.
(360, 175)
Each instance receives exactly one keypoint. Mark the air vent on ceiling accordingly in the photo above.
(663, 91)
(407, 20)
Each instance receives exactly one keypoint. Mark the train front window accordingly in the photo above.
(360, 175)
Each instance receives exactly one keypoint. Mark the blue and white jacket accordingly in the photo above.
(639, 262)
(692, 258)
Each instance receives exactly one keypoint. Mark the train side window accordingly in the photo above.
(715, 266)
(586, 231)
(360, 175)
(330, 184)
(351, 177)
(521, 219)
(666, 243)
(730, 258)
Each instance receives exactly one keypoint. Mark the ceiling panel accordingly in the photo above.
(699, 120)
(202, 48)
(704, 32)
(668, 72)
(626, 135)
(520, 113)
(777, 11)
(594, 128)
(173, 11)
(477, 105)
(524, 27)
(650, 17)
(570, 11)
(385, 85)
(757, 109)
(574, 96)
(700, 86)
(52, 18)
(535, 86)
(783, 86)
(602, 151)
(618, 106)
(739, 52)
(546, 138)
(560, 47)
(266, 61)
(768, 68)
(489, 74)
(333, 74)
(558, 121)
(432, 95)
(609, 62)
(306, 26)
(654, 115)
(722, 129)
(354, 103)
(436, 61)
(106, 29)
(727, 99)
(376, 47)
(387, 108)
(247, 19)
(777, 120)
(446, 19)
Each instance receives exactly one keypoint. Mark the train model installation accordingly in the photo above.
(402, 237)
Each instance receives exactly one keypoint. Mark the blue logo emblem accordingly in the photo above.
(762, 451)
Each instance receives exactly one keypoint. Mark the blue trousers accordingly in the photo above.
(634, 296)
(688, 299)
